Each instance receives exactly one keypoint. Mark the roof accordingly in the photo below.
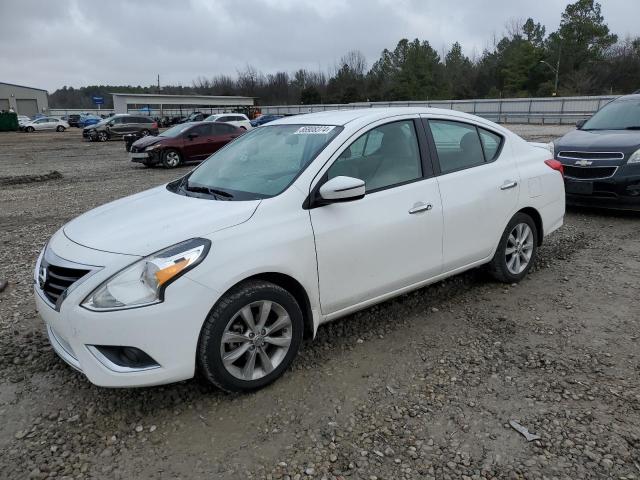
(23, 86)
(342, 117)
(161, 95)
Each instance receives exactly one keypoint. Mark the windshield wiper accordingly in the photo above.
(633, 127)
(216, 192)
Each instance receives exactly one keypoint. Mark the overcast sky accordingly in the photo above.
(49, 44)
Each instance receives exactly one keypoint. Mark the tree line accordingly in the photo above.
(582, 57)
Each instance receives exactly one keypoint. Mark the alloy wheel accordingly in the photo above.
(256, 340)
(519, 248)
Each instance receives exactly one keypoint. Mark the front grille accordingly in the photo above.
(57, 279)
(591, 155)
(588, 172)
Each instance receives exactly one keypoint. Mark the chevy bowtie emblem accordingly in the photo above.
(584, 163)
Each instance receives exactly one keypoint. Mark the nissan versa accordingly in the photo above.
(296, 223)
(602, 157)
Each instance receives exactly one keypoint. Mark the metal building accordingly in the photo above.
(23, 100)
(126, 102)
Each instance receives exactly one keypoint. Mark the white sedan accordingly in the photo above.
(45, 123)
(236, 119)
(297, 223)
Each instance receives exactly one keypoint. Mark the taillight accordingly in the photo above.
(556, 165)
(155, 125)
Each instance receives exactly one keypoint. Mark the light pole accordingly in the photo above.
(556, 70)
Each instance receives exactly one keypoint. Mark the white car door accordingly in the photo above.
(479, 187)
(391, 238)
(41, 124)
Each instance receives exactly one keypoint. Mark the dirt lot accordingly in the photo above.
(419, 387)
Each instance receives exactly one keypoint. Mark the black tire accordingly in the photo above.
(103, 136)
(209, 355)
(498, 267)
(171, 158)
(59, 128)
(144, 133)
(29, 129)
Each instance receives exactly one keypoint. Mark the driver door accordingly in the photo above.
(391, 238)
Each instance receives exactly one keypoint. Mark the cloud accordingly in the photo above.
(73, 42)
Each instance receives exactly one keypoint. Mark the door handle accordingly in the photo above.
(508, 184)
(420, 207)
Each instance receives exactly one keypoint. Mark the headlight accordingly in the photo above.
(635, 157)
(152, 147)
(144, 282)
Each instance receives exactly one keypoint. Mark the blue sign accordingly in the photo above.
(98, 100)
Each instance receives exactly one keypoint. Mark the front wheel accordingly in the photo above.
(516, 251)
(250, 337)
(103, 136)
(171, 158)
(60, 128)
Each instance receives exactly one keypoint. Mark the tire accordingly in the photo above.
(59, 128)
(30, 129)
(103, 136)
(171, 158)
(144, 133)
(258, 358)
(516, 251)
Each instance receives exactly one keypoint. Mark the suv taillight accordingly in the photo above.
(154, 125)
(556, 165)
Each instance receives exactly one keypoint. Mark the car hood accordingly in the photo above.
(154, 219)
(627, 141)
(147, 141)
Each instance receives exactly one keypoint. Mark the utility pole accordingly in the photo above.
(158, 83)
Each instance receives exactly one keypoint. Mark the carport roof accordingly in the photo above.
(152, 98)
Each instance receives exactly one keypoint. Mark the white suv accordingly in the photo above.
(294, 224)
(236, 119)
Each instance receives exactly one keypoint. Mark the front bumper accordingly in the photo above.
(168, 332)
(620, 192)
(149, 158)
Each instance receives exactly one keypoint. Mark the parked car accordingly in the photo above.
(23, 120)
(602, 157)
(120, 125)
(266, 118)
(236, 119)
(187, 142)
(88, 120)
(294, 224)
(45, 123)
(194, 117)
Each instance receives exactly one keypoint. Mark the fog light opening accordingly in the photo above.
(123, 358)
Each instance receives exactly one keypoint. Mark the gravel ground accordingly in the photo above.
(419, 387)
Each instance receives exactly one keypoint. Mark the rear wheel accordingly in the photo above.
(103, 136)
(59, 128)
(250, 337)
(171, 158)
(516, 251)
(144, 133)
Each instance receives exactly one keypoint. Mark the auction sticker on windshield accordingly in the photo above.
(314, 130)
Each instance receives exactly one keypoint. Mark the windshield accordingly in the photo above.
(175, 131)
(617, 115)
(261, 163)
(212, 118)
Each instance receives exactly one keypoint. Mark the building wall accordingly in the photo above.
(12, 93)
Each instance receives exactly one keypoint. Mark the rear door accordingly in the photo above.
(119, 127)
(479, 187)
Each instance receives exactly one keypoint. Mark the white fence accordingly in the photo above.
(552, 110)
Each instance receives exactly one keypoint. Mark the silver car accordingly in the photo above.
(46, 123)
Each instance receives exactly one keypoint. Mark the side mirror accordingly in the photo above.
(342, 189)
(110, 124)
(191, 136)
(580, 123)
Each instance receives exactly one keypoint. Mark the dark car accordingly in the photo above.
(119, 126)
(266, 118)
(601, 158)
(72, 119)
(195, 117)
(186, 142)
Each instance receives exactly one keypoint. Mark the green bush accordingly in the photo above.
(8, 122)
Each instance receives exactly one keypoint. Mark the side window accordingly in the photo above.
(223, 119)
(225, 129)
(203, 130)
(384, 156)
(491, 143)
(458, 145)
(219, 129)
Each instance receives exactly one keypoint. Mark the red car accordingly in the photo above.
(186, 142)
